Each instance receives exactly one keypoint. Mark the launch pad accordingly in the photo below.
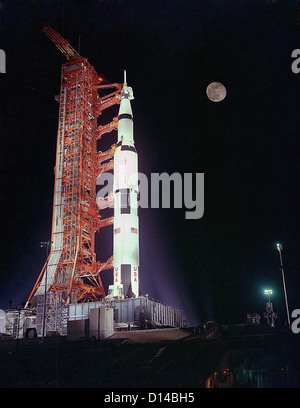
(138, 313)
(92, 319)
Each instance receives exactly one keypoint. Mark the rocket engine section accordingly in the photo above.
(125, 192)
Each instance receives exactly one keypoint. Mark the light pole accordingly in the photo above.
(46, 244)
(269, 314)
(279, 248)
(269, 292)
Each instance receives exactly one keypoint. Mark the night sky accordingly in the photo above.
(247, 146)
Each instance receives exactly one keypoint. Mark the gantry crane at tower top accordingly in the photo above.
(71, 272)
(69, 52)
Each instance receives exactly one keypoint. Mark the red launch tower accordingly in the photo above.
(71, 272)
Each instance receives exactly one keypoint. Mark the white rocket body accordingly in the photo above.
(125, 191)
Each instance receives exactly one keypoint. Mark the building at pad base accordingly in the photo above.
(72, 275)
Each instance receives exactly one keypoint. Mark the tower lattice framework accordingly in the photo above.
(71, 272)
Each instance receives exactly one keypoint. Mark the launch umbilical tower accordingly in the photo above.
(71, 273)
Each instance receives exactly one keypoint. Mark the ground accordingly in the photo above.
(236, 357)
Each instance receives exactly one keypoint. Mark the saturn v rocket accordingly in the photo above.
(125, 193)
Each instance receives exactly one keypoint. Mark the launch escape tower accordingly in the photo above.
(71, 272)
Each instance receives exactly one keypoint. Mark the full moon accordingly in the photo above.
(216, 91)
